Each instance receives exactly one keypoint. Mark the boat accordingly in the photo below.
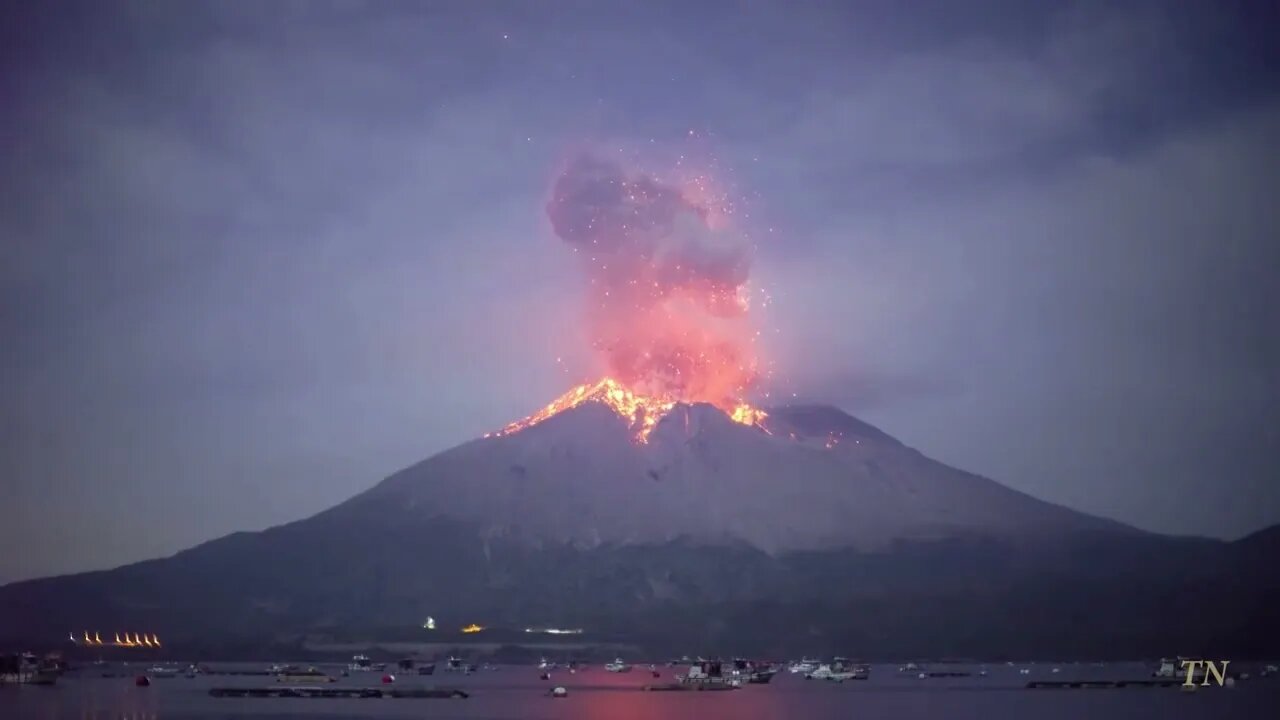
(293, 674)
(362, 663)
(762, 676)
(161, 671)
(803, 666)
(709, 674)
(427, 669)
(839, 670)
(755, 673)
(454, 664)
(617, 666)
(25, 669)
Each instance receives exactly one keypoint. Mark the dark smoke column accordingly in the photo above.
(668, 305)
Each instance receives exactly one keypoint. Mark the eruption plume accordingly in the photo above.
(667, 282)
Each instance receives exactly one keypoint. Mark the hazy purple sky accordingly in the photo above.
(257, 256)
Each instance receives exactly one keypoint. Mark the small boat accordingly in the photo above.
(708, 674)
(839, 670)
(427, 669)
(162, 672)
(617, 666)
(803, 666)
(752, 672)
(361, 663)
(26, 669)
(454, 664)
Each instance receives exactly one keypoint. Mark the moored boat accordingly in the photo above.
(25, 669)
(617, 666)
(709, 673)
(454, 664)
(361, 663)
(762, 674)
(839, 670)
(803, 666)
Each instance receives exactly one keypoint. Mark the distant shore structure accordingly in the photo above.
(136, 640)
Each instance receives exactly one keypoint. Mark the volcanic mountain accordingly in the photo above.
(683, 528)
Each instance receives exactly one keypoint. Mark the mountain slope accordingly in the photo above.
(817, 479)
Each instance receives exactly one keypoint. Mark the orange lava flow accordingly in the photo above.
(642, 412)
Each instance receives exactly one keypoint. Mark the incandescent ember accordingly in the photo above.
(642, 412)
(667, 298)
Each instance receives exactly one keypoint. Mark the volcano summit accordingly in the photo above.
(800, 529)
(601, 465)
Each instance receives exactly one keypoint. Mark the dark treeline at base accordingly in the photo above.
(271, 594)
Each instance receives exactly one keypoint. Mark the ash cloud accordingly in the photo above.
(666, 284)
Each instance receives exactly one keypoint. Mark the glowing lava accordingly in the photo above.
(642, 412)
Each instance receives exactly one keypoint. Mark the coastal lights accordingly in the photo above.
(135, 640)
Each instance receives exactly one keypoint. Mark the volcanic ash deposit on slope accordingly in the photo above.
(810, 478)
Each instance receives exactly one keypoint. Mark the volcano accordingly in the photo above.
(685, 528)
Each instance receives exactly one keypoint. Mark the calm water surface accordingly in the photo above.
(517, 693)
